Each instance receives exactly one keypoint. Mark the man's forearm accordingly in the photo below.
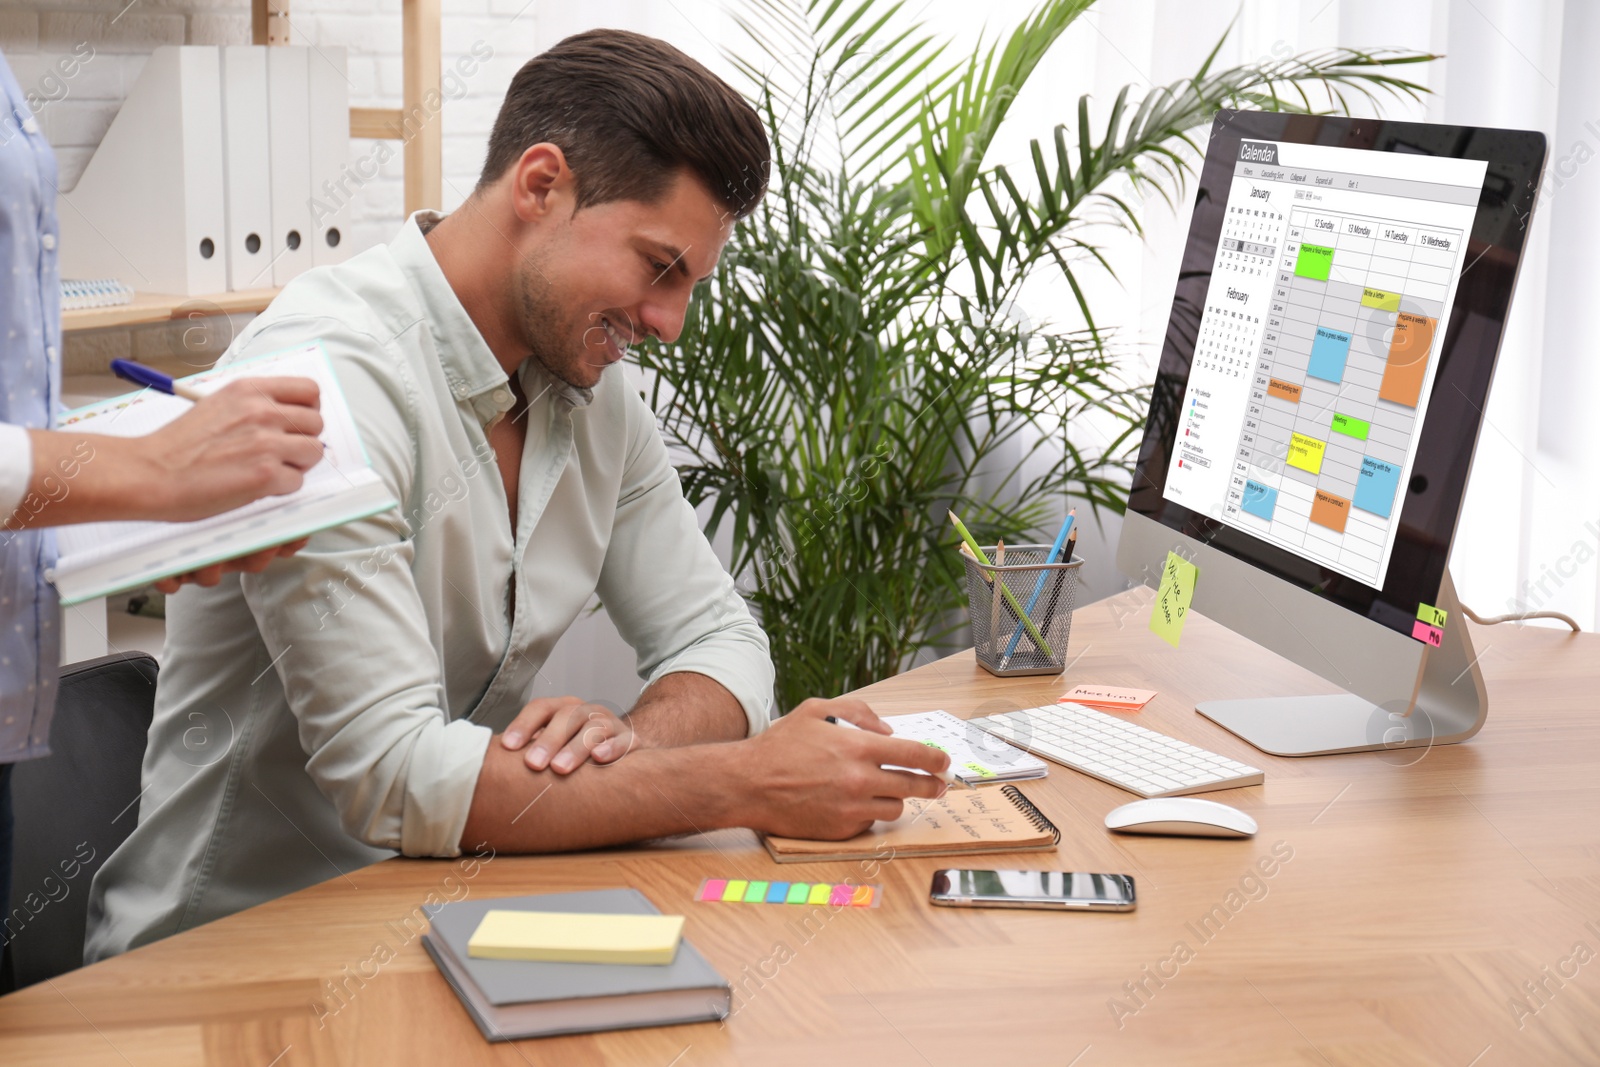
(686, 709)
(805, 777)
(650, 792)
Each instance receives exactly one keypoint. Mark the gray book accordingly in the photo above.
(514, 999)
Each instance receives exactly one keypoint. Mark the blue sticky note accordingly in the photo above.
(1259, 500)
(1376, 485)
(777, 892)
(1329, 351)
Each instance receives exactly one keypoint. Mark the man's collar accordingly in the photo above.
(472, 370)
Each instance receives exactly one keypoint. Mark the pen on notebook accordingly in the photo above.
(948, 777)
(139, 374)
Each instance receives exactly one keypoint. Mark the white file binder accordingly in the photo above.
(246, 167)
(289, 141)
(332, 188)
(149, 207)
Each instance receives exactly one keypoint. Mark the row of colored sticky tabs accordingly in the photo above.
(751, 891)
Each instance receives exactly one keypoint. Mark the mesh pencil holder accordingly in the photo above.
(996, 618)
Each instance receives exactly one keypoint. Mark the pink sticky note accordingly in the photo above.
(841, 896)
(713, 889)
(1431, 635)
(1106, 696)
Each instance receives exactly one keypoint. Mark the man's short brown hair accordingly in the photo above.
(629, 112)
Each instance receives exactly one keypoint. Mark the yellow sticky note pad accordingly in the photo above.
(576, 938)
(1306, 453)
(1178, 577)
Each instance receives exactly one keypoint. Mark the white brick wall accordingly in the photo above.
(37, 34)
(39, 39)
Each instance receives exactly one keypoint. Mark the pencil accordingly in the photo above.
(988, 578)
(1055, 594)
(1033, 631)
(994, 601)
(1038, 586)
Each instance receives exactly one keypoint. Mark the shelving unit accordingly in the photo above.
(85, 626)
(422, 145)
(162, 307)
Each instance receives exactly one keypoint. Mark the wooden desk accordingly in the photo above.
(1424, 888)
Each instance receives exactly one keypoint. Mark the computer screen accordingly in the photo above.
(1337, 317)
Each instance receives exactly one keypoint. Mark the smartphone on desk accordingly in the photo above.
(1046, 890)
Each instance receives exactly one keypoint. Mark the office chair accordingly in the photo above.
(72, 809)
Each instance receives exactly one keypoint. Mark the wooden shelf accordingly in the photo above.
(163, 307)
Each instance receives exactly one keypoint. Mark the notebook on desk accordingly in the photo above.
(100, 558)
(962, 821)
(513, 999)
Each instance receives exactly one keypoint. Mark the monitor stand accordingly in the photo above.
(1450, 706)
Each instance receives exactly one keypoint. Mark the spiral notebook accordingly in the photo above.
(960, 822)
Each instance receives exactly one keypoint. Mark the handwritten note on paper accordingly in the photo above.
(973, 816)
(1178, 577)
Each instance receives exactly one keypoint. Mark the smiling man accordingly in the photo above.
(341, 706)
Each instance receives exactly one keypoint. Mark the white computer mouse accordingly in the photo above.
(1184, 816)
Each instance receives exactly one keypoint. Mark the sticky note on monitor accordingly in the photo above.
(1178, 578)
(1428, 635)
(559, 937)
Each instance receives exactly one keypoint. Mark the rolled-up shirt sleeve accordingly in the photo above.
(347, 629)
(16, 466)
(667, 592)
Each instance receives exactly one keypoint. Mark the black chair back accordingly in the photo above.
(72, 809)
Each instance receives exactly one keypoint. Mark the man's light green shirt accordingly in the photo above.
(335, 709)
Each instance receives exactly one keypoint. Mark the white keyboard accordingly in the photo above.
(1115, 751)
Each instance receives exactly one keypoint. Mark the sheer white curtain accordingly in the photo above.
(1530, 532)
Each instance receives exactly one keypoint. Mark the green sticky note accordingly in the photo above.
(735, 891)
(1432, 615)
(1178, 577)
(1351, 426)
(980, 770)
(798, 893)
(1313, 262)
(756, 893)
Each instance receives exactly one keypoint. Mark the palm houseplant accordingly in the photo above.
(858, 365)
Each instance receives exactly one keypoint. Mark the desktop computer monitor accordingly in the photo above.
(1322, 384)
